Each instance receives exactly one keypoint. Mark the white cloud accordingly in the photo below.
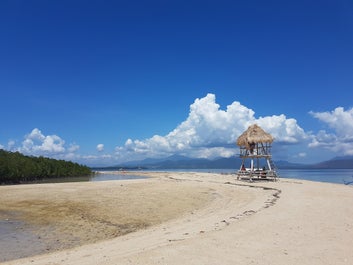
(11, 144)
(210, 132)
(36, 143)
(339, 120)
(73, 148)
(300, 155)
(282, 129)
(100, 147)
(340, 140)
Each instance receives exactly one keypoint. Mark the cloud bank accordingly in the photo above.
(210, 132)
(207, 132)
(340, 139)
(37, 144)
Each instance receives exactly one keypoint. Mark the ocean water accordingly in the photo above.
(115, 176)
(96, 177)
(321, 175)
(340, 176)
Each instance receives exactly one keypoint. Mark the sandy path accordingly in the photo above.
(288, 222)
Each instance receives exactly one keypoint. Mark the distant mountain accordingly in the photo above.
(288, 165)
(336, 163)
(183, 162)
(342, 157)
(342, 162)
(152, 161)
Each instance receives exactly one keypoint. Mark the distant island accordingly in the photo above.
(17, 168)
(183, 162)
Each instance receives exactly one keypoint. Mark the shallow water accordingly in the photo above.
(96, 177)
(17, 240)
(322, 175)
(115, 176)
(339, 176)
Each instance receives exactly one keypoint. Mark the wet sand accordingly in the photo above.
(44, 218)
(190, 218)
(16, 241)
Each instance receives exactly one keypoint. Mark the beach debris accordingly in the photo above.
(173, 240)
(224, 221)
(249, 212)
(348, 182)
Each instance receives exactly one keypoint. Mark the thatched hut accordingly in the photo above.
(255, 144)
(254, 134)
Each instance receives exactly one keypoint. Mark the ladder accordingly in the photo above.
(273, 167)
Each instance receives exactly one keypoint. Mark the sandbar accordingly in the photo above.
(187, 218)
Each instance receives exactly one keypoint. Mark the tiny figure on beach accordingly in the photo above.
(348, 182)
(252, 147)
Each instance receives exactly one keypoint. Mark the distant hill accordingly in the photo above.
(288, 165)
(183, 162)
(152, 161)
(336, 163)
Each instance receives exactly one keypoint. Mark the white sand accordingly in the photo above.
(289, 222)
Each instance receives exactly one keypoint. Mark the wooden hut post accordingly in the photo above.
(255, 143)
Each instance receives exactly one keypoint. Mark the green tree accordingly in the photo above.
(16, 168)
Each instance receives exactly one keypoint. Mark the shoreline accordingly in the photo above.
(228, 226)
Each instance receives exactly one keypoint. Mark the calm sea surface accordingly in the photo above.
(96, 177)
(322, 175)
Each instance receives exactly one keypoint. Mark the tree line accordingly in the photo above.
(16, 168)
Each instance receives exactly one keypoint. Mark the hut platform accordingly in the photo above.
(257, 175)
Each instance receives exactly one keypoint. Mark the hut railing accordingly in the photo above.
(259, 150)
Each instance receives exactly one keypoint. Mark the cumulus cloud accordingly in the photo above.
(73, 148)
(36, 143)
(100, 147)
(11, 144)
(210, 132)
(340, 138)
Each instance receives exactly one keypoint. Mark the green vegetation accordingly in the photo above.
(16, 168)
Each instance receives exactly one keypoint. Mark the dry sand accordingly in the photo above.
(186, 218)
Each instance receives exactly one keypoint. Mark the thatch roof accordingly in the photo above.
(254, 134)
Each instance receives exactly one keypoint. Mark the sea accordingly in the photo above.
(340, 176)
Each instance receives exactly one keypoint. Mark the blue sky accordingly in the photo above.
(103, 82)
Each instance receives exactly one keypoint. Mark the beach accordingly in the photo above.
(183, 218)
